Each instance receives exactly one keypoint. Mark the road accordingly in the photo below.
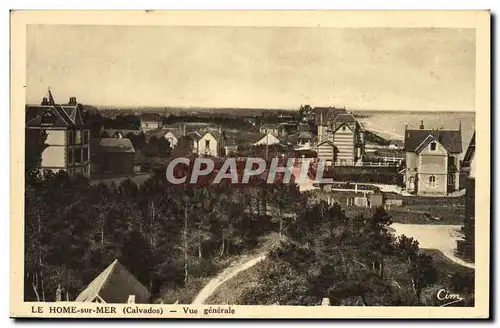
(441, 237)
(224, 276)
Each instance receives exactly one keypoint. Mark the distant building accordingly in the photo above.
(432, 161)
(286, 129)
(113, 133)
(115, 285)
(211, 143)
(269, 128)
(306, 114)
(268, 139)
(304, 139)
(194, 136)
(68, 138)
(323, 116)
(375, 200)
(230, 148)
(348, 139)
(113, 155)
(150, 121)
(326, 151)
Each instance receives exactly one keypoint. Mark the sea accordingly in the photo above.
(391, 124)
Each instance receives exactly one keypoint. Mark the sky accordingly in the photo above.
(253, 67)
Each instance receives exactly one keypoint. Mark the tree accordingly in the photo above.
(378, 241)
(422, 273)
(137, 140)
(407, 247)
(35, 144)
(135, 255)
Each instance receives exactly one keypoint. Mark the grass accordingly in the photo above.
(427, 214)
(232, 290)
(186, 294)
(446, 266)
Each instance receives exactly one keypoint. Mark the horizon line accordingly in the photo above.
(278, 109)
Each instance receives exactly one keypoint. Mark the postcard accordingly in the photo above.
(250, 164)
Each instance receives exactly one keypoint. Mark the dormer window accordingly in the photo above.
(433, 146)
(48, 118)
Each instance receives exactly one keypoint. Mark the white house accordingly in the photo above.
(150, 121)
(173, 136)
(211, 143)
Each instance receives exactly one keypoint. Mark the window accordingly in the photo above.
(433, 146)
(70, 137)
(85, 154)
(78, 155)
(48, 118)
(207, 143)
(451, 179)
(70, 156)
(78, 137)
(86, 136)
(343, 128)
(411, 183)
(432, 181)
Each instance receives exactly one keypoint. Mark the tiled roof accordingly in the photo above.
(341, 125)
(326, 142)
(349, 118)
(63, 115)
(450, 139)
(329, 113)
(471, 149)
(114, 285)
(194, 135)
(305, 135)
(243, 137)
(269, 126)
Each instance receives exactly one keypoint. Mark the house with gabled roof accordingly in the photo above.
(150, 121)
(326, 151)
(208, 142)
(347, 135)
(267, 139)
(68, 138)
(115, 285)
(432, 161)
(113, 155)
(270, 128)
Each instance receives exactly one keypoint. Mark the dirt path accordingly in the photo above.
(225, 275)
(434, 236)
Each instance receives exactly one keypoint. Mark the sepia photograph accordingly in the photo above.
(194, 168)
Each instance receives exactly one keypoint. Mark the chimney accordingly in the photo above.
(422, 125)
(72, 100)
(45, 101)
